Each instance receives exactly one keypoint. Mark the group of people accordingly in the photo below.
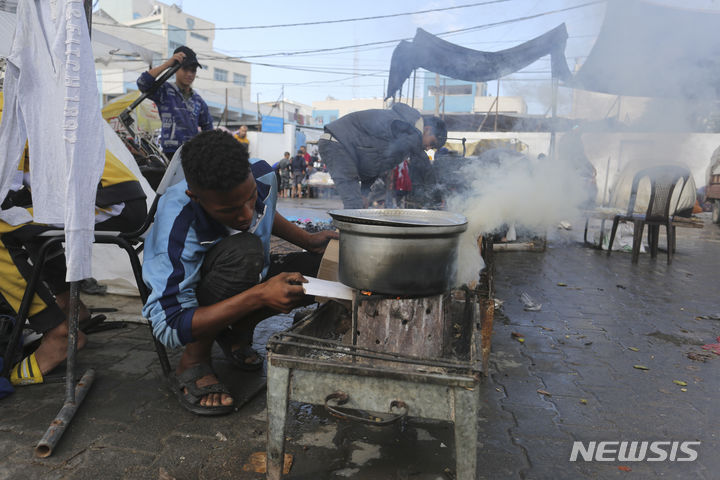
(207, 256)
(294, 172)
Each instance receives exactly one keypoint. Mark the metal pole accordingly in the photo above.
(497, 104)
(73, 325)
(74, 395)
(412, 104)
(607, 175)
(258, 109)
(225, 113)
(444, 98)
(52, 436)
(551, 150)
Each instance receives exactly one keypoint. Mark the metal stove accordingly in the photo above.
(393, 356)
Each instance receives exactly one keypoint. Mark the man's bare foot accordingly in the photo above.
(63, 301)
(53, 347)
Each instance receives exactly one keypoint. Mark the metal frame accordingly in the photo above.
(373, 380)
(74, 394)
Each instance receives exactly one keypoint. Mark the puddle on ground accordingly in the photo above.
(346, 472)
(364, 452)
(424, 435)
(323, 437)
(305, 413)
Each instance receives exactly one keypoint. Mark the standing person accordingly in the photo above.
(182, 110)
(298, 168)
(311, 193)
(306, 156)
(402, 185)
(241, 136)
(363, 146)
(283, 172)
(207, 263)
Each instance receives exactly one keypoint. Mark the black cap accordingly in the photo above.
(190, 57)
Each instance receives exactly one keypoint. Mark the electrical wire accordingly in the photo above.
(451, 32)
(319, 22)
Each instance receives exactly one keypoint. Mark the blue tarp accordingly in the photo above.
(436, 55)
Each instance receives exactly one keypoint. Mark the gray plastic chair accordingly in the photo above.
(664, 179)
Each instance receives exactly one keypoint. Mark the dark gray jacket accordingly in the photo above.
(378, 140)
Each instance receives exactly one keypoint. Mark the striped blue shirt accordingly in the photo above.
(175, 248)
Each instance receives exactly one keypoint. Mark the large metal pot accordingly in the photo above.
(398, 252)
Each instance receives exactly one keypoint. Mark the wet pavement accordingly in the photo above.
(574, 377)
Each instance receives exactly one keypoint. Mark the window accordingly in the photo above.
(450, 90)
(172, 46)
(198, 36)
(239, 79)
(221, 75)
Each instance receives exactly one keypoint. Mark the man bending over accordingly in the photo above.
(207, 262)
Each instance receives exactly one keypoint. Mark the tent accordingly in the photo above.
(625, 59)
(146, 114)
(436, 55)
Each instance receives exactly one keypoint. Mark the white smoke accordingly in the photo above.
(532, 195)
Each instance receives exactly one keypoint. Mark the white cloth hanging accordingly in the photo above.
(51, 98)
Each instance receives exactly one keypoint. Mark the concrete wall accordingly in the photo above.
(505, 105)
(271, 146)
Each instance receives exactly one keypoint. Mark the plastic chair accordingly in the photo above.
(664, 180)
(132, 243)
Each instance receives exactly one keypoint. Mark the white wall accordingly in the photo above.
(271, 146)
(617, 149)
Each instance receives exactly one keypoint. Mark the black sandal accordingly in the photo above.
(191, 400)
(239, 357)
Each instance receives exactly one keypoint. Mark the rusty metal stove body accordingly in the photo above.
(419, 357)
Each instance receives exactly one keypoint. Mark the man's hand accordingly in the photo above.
(176, 58)
(283, 292)
(312, 242)
(179, 57)
(319, 240)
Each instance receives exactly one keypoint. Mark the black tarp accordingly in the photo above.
(436, 55)
(650, 50)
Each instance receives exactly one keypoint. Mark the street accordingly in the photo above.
(614, 354)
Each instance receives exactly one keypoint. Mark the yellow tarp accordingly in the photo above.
(146, 114)
(480, 146)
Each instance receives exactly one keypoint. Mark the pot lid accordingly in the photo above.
(399, 217)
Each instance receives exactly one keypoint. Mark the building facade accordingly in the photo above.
(223, 83)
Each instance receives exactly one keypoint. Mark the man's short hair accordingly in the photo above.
(439, 129)
(214, 160)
